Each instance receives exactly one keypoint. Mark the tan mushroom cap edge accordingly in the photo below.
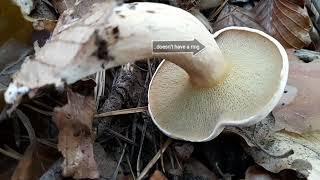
(255, 83)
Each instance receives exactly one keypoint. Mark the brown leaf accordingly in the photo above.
(36, 159)
(157, 175)
(74, 121)
(258, 173)
(298, 110)
(235, 16)
(286, 20)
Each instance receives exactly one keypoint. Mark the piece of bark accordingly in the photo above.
(126, 91)
(74, 121)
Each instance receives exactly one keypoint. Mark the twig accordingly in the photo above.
(99, 90)
(122, 111)
(42, 104)
(120, 136)
(212, 16)
(10, 154)
(177, 159)
(134, 136)
(26, 122)
(161, 155)
(154, 159)
(47, 113)
(223, 175)
(130, 167)
(149, 67)
(9, 149)
(115, 173)
(141, 145)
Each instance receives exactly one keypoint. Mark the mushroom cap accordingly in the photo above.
(254, 84)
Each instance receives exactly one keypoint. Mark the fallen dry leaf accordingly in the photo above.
(292, 139)
(298, 109)
(305, 158)
(74, 121)
(235, 16)
(36, 158)
(74, 51)
(258, 173)
(158, 175)
(287, 20)
(35, 161)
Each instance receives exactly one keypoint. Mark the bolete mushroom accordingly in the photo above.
(236, 79)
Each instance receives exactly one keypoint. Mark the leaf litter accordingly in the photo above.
(287, 139)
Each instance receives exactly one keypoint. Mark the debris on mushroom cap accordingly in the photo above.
(258, 74)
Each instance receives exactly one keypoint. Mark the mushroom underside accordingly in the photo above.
(243, 98)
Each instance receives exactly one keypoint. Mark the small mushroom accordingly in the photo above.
(237, 79)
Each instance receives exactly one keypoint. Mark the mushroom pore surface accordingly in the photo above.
(198, 114)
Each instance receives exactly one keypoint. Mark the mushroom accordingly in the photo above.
(236, 79)
(256, 76)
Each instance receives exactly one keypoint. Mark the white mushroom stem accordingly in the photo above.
(127, 33)
(149, 22)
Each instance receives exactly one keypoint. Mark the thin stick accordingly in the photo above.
(141, 145)
(43, 105)
(154, 159)
(9, 149)
(10, 154)
(120, 136)
(47, 113)
(26, 122)
(212, 16)
(122, 111)
(130, 167)
(115, 173)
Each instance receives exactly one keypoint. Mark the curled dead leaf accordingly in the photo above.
(296, 125)
(298, 109)
(287, 20)
(158, 175)
(305, 158)
(74, 121)
(235, 16)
